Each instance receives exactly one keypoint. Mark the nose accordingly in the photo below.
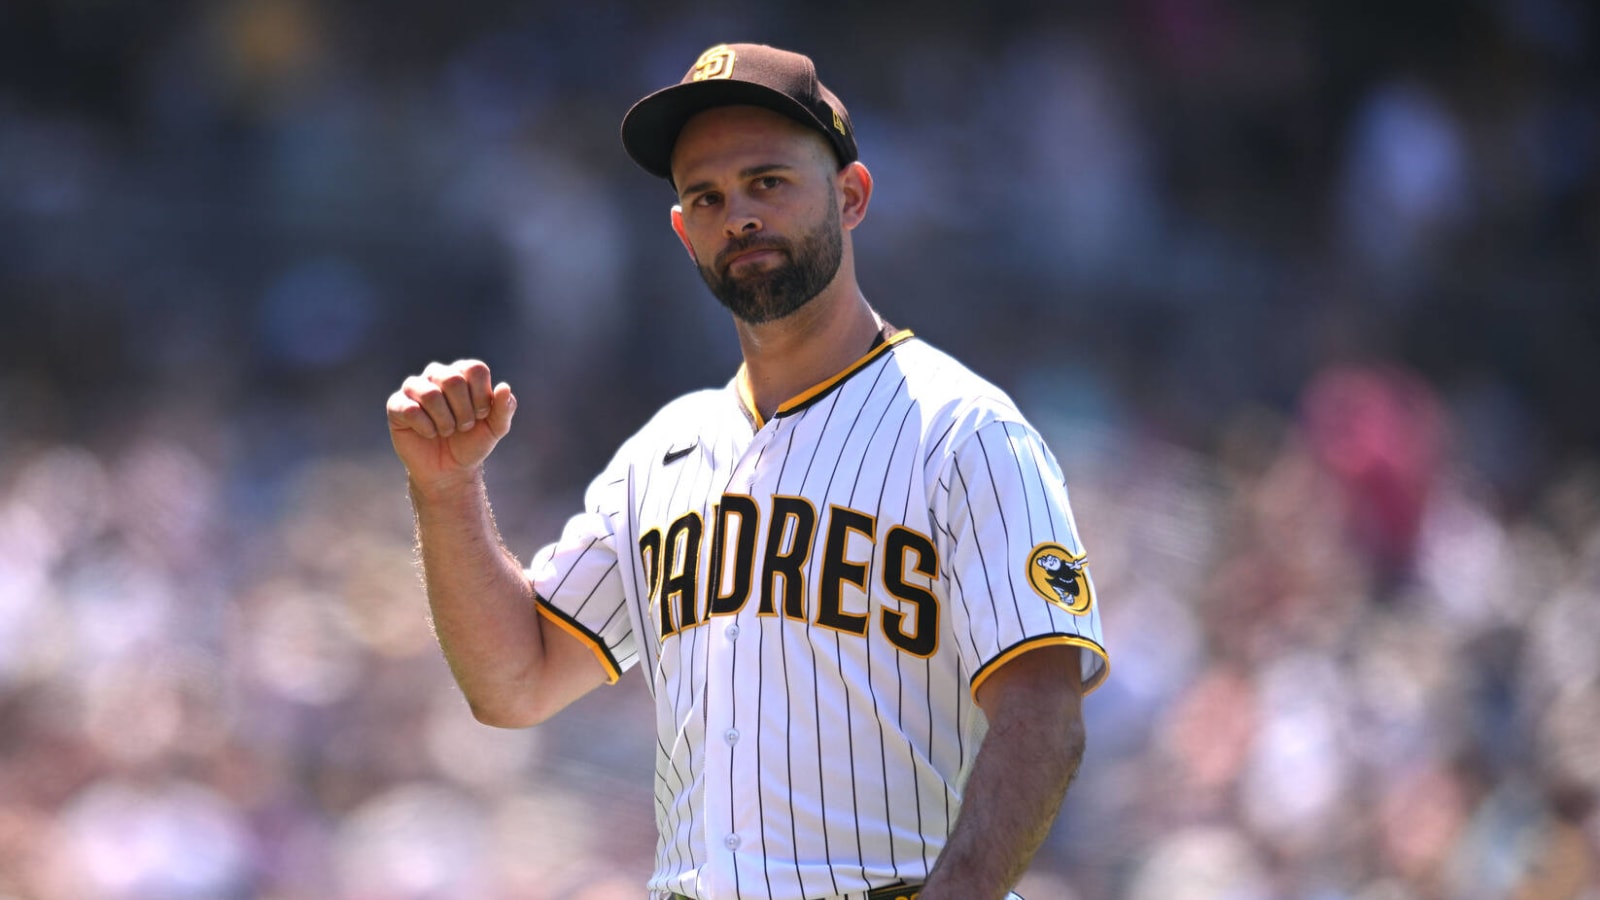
(742, 220)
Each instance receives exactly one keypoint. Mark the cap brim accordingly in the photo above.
(650, 129)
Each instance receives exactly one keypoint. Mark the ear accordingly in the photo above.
(683, 234)
(855, 192)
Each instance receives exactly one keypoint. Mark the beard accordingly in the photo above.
(771, 294)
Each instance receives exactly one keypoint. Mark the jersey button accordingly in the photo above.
(732, 736)
(733, 632)
(731, 842)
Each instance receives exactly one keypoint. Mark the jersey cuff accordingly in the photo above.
(591, 640)
(1046, 640)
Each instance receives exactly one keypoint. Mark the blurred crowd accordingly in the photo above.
(1304, 296)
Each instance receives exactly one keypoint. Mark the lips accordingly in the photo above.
(751, 254)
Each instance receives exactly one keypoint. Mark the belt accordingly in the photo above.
(893, 892)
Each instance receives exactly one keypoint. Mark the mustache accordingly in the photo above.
(745, 245)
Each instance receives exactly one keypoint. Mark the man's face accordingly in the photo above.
(760, 210)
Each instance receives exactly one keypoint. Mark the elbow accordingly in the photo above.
(503, 697)
(507, 715)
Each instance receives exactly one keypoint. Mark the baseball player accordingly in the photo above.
(850, 576)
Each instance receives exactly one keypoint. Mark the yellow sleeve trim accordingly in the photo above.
(1049, 640)
(595, 645)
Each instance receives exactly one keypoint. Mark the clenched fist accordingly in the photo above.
(445, 422)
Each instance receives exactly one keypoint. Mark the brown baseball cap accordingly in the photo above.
(736, 75)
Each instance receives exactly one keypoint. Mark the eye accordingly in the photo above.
(708, 199)
(767, 182)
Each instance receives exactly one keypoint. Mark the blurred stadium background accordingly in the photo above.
(1304, 294)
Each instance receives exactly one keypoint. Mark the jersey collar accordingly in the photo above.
(888, 337)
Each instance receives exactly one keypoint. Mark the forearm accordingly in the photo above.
(481, 602)
(1028, 759)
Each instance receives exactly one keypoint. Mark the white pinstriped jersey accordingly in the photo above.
(815, 600)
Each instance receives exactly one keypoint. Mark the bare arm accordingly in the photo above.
(1035, 742)
(513, 671)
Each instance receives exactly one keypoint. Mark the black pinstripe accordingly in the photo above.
(886, 733)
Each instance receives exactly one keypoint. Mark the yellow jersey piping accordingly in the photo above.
(816, 392)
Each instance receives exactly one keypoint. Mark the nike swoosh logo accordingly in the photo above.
(673, 456)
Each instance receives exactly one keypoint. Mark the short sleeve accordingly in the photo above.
(579, 583)
(1019, 575)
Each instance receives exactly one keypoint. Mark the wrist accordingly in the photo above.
(446, 489)
(940, 891)
(945, 889)
(960, 874)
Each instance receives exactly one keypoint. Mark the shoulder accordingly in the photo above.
(684, 420)
(939, 378)
(702, 404)
(955, 400)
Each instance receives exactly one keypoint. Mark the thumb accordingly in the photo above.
(502, 406)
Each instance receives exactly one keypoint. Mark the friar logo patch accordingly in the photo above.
(714, 63)
(1062, 577)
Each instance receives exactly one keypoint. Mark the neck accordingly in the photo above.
(809, 346)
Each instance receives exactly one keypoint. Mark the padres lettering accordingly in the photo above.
(909, 567)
